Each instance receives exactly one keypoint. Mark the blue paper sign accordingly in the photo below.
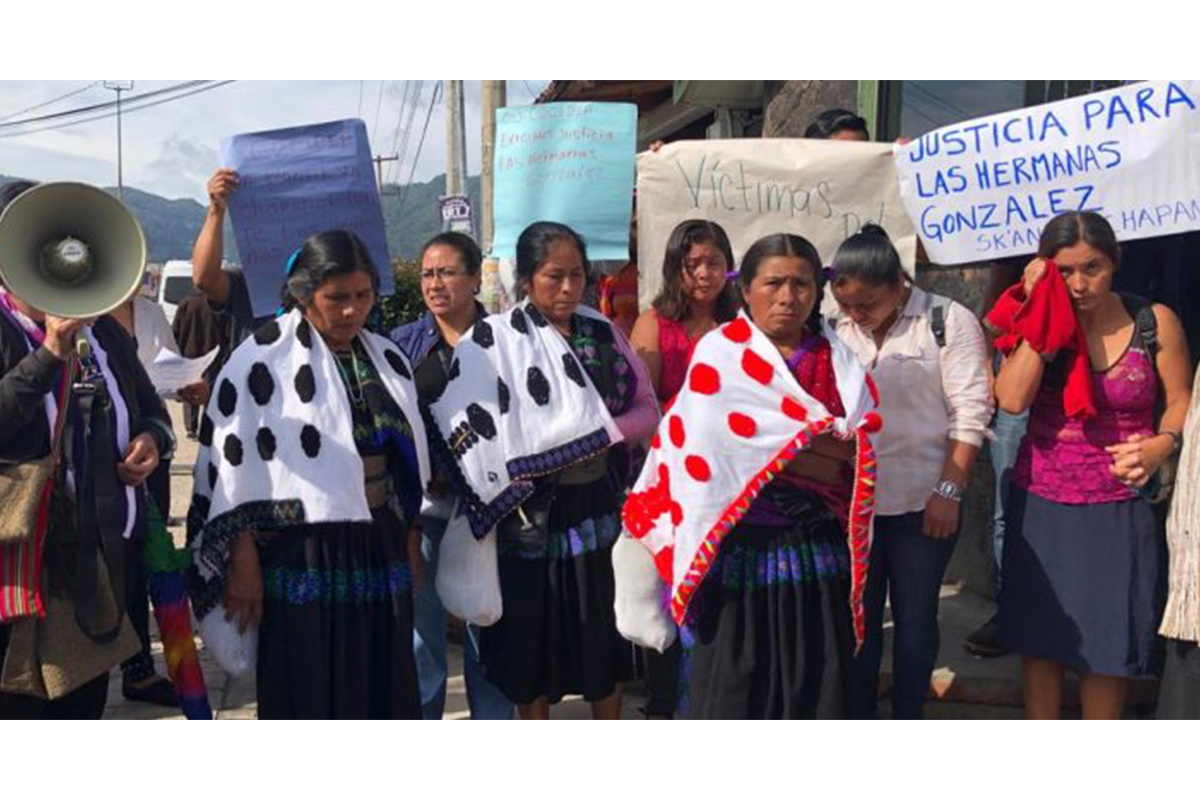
(293, 183)
(566, 162)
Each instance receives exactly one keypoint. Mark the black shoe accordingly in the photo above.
(156, 690)
(985, 642)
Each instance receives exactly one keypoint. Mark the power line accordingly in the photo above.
(51, 101)
(532, 93)
(361, 86)
(406, 137)
(400, 125)
(125, 109)
(101, 106)
(437, 90)
(378, 108)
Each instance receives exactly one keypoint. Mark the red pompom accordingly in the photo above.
(656, 441)
(675, 427)
(872, 423)
(742, 425)
(676, 514)
(664, 562)
(737, 331)
(757, 368)
(698, 468)
(704, 379)
(794, 409)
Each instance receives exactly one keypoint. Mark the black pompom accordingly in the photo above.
(265, 439)
(304, 334)
(573, 370)
(206, 431)
(538, 386)
(517, 318)
(233, 450)
(267, 333)
(261, 384)
(396, 362)
(310, 440)
(453, 372)
(535, 316)
(306, 384)
(503, 395)
(482, 334)
(481, 421)
(226, 397)
(212, 476)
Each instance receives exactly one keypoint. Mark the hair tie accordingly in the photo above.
(828, 272)
(291, 262)
(731, 274)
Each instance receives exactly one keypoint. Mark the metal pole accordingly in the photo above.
(118, 87)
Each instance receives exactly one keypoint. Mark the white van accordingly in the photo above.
(174, 284)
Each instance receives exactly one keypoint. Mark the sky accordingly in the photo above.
(171, 149)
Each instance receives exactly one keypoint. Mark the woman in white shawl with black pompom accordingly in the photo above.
(308, 482)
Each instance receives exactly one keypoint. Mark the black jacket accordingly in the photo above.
(27, 376)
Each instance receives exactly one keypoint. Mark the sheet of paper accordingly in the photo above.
(170, 372)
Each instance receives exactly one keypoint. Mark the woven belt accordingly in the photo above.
(585, 472)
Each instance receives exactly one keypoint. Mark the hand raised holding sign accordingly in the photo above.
(222, 182)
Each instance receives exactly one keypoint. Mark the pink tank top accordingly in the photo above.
(675, 349)
(1063, 459)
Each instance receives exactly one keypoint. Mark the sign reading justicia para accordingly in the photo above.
(984, 188)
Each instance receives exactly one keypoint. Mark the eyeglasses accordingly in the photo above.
(446, 274)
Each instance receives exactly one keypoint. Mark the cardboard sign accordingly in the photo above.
(985, 188)
(822, 190)
(293, 183)
(570, 163)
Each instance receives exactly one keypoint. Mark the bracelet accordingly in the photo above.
(1176, 439)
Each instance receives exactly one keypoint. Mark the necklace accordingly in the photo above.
(357, 397)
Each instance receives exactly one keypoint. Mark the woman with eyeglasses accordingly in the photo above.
(695, 297)
(450, 279)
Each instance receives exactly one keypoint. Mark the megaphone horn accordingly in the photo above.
(71, 250)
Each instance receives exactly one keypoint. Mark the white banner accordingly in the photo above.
(984, 188)
(821, 190)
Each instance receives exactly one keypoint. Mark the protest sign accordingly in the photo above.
(570, 163)
(295, 182)
(984, 189)
(821, 190)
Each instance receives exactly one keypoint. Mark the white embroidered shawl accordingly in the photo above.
(277, 445)
(740, 418)
(518, 405)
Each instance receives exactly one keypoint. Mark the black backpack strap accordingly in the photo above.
(1142, 311)
(937, 319)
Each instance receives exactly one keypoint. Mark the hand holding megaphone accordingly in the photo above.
(61, 333)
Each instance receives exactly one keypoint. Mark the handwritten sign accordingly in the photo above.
(293, 183)
(821, 190)
(985, 188)
(570, 163)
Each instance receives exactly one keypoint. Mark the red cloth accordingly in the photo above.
(1046, 320)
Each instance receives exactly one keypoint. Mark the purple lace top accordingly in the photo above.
(1063, 459)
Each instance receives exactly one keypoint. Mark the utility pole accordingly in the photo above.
(379, 171)
(495, 96)
(456, 141)
(118, 87)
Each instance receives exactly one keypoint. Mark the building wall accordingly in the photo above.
(795, 103)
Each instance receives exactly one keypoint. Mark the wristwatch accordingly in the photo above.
(949, 490)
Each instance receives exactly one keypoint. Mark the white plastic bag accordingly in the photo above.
(235, 652)
(468, 577)
(641, 617)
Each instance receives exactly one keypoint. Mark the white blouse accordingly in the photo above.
(927, 395)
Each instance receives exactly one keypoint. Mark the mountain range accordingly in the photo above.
(411, 215)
